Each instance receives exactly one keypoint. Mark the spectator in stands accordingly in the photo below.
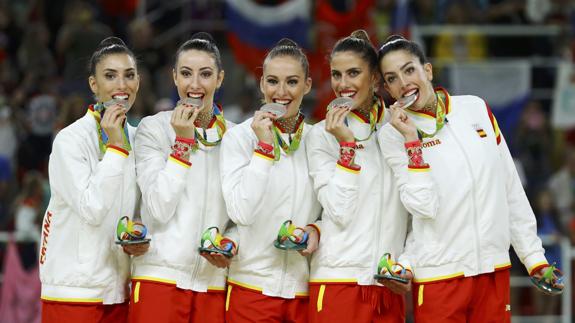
(533, 146)
(562, 186)
(28, 206)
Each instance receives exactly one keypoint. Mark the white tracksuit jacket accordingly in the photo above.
(178, 203)
(79, 261)
(260, 195)
(363, 217)
(469, 205)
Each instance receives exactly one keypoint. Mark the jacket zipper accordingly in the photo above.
(202, 215)
(475, 217)
(285, 258)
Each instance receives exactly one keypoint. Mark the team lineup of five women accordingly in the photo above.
(429, 181)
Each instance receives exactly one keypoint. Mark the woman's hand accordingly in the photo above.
(262, 124)
(183, 119)
(136, 249)
(402, 123)
(335, 124)
(312, 241)
(113, 124)
(398, 287)
(219, 260)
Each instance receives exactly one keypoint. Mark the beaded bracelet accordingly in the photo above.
(415, 154)
(347, 155)
(182, 147)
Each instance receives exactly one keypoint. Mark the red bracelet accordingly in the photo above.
(191, 141)
(265, 146)
(350, 144)
(415, 143)
(265, 149)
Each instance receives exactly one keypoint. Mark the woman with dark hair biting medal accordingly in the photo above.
(266, 183)
(177, 163)
(93, 184)
(362, 215)
(458, 180)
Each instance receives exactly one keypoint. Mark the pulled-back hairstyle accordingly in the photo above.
(108, 46)
(397, 42)
(287, 47)
(204, 42)
(359, 43)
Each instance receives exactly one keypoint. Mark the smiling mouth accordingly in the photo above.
(281, 101)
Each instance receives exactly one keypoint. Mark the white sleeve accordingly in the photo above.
(405, 258)
(523, 225)
(244, 176)
(416, 188)
(90, 192)
(162, 178)
(336, 186)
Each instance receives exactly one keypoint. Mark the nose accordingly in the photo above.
(194, 82)
(282, 89)
(122, 83)
(402, 81)
(344, 81)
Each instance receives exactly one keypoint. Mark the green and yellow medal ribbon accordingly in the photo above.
(373, 118)
(294, 144)
(97, 111)
(219, 122)
(440, 114)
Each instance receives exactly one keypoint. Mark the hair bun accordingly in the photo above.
(360, 34)
(287, 42)
(109, 41)
(203, 36)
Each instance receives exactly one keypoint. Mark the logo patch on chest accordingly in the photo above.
(431, 143)
(479, 130)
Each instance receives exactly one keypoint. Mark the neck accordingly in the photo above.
(365, 108)
(431, 108)
(288, 124)
(204, 118)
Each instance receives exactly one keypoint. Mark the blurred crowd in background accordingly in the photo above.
(45, 46)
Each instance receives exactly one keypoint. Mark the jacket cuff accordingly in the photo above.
(261, 163)
(316, 227)
(535, 262)
(343, 174)
(419, 175)
(177, 167)
(114, 158)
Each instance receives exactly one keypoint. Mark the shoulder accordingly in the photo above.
(155, 122)
(78, 130)
(467, 101)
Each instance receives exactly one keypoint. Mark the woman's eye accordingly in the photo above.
(410, 70)
(185, 73)
(292, 82)
(272, 81)
(109, 76)
(206, 74)
(335, 75)
(353, 73)
(390, 79)
(131, 76)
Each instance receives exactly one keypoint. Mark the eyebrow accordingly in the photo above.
(114, 70)
(287, 77)
(201, 68)
(401, 68)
